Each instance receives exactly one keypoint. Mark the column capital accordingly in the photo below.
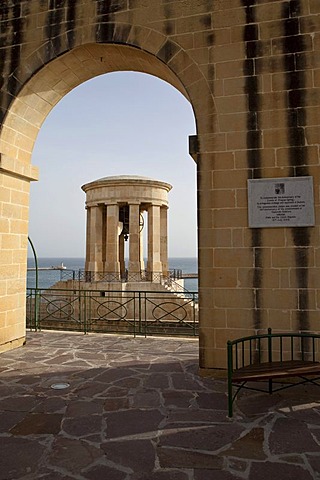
(92, 204)
(156, 204)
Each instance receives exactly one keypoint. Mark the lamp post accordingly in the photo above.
(36, 311)
(35, 261)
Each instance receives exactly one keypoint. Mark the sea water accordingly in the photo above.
(46, 278)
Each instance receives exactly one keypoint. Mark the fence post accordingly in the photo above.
(270, 355)
(230, 369)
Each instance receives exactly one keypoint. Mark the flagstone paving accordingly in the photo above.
(137, 409)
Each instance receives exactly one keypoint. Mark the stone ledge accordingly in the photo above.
(17, 168)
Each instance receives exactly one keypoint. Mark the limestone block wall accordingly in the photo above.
(14, 212)
(251, 70)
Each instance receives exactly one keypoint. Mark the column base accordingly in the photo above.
(17, 342)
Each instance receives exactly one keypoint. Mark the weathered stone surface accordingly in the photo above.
(179, 458)
(112, 404)
(267, 470)
(314, 461)
(208, 438)
(167, 475)
(113, 439)
(214, 475)
(166, 367)
(51, 405)
(210, 400)
(257, 405)
(10, 419)
(114, 375)
(141, 458)
(156, 380)
(103, 472)
(45, 474)
(249, 446)
(286, 437)
(89, 391)
(133, 422)
(115, 392)
(10, 390)
(37, 423)
(22, 403)
(182, 382)
(79, 408)
(177, 399)
(19, 457)
(196, 416)
(309, 414)
(82, 425)
(146, 399)
(131, 382)
(72, 454)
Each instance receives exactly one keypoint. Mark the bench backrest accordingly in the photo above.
(272, 347)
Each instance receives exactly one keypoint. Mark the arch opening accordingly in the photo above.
(56, 79)
(113, 125)
(38, 98)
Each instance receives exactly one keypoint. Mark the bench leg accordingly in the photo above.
(270, 386)
(230, 399)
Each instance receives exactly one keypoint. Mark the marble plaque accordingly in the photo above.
(281, 202)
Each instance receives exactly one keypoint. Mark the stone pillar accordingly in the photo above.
(134, 240)
(154, 264)
(142, 228)
(141, 251)
(88, 240)
(94, 261)
(121, 256)
(14, 208)
(164, 239)
(112, 264)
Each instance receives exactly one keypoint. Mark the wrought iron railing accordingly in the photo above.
(131, 312)
(143, 276)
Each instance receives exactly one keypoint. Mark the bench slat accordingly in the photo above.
(267, 370)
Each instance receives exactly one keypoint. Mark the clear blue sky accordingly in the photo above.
(122, 123)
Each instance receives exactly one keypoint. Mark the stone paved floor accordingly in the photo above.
(136, 409)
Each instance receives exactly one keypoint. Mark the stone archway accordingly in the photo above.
(37, 98)
(250, 70)
(48, 86)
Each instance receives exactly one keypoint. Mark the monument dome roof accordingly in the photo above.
(126, 180)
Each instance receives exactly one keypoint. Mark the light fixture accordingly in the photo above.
(60, 386)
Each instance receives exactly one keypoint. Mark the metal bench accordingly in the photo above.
(271, 357)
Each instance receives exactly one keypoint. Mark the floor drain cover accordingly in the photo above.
(60, 386)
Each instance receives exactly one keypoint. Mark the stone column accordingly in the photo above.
(121, 256)
(141, 229)
(164, 239)
(154, 264)
(88, 240)
(94, 261)
(134, 266)
(112, 264)
(141, 251)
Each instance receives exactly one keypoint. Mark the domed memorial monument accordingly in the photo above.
(118, 208)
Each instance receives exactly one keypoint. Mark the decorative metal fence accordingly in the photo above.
(129, 312)
(142, 276)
